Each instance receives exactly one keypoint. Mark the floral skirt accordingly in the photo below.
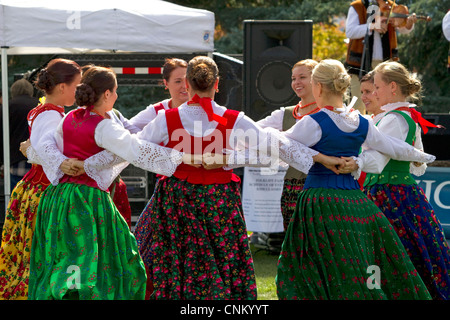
(83, 248)
(420, 232)
(289, 196)
(194, 241)
(340, 246)
(16, 240)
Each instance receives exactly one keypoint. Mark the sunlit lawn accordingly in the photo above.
(265, 271)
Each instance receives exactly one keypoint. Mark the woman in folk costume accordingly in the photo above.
(58, 81)
(338, 238)
(283, 119)
(118, 188)
(395, 191)
(174, 78)
(78, 227)
(198, 247)
(373, 108)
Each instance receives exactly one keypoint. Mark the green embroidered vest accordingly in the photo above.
(288, 122)
(395, 172)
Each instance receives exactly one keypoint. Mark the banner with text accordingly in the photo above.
(261, 193)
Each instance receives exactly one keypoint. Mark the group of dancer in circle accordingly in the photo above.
(66, 237)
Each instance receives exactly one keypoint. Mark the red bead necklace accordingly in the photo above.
(298, 106)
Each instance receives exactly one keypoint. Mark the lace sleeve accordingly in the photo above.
(104, 167)
(51, 158)
(394, 147)
(417, 170)
(357, 173)
(141, 153)
(273, 150)
(44, 139)
(32, 156)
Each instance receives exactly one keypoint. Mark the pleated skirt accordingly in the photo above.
(17, 238)
(289, 196)
(420, 232)
(340, 246)
(194, 241)
(83, 248)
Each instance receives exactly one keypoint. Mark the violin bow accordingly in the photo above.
(390, 12)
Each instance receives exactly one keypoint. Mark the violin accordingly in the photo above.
(398, 14)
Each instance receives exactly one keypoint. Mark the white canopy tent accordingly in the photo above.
(82, 26)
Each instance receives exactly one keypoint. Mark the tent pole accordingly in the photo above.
(5, 116)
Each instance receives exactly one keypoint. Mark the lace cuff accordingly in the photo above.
(104, 167)
(357, 173)
(417, 171)
(141, 153)
(50, 158)
(32, 156)
(157, 159)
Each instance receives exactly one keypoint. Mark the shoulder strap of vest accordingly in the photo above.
(158, 107)
(173, 120)
(319, 116)
(231, 116)
(288, 118)
(411, 137)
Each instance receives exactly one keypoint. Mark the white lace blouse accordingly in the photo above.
(308, 132)
(396, 126)
(145, 116)
(104, 166)
(250, 144)
(274, 120)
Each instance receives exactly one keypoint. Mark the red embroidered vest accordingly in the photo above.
(218, 140)
(36, 174)
(79, 142)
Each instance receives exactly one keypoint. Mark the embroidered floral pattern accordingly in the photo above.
(420, 232)
(289, 196)
(333, 238)
(17, 239)
(79, 227)
(194, 242)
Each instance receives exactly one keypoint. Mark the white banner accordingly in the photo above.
(261, 193)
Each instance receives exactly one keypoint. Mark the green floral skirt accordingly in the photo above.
(83, 249)
(340, 246)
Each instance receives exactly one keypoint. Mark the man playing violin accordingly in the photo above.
(372, 18)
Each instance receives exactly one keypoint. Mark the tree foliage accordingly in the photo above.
(424, 50)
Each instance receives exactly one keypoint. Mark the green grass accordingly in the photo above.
(265, 264)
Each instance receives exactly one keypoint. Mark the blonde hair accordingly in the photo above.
(392, 71)
(309, 63)
(332, 75)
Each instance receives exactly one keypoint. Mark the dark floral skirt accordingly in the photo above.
(340, 246)
(420, 232)
(194, 242)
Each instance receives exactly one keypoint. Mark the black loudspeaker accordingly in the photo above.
(271, 48)
(230, 81)
(437, 140)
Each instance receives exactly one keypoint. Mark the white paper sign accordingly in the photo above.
(261, 193)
